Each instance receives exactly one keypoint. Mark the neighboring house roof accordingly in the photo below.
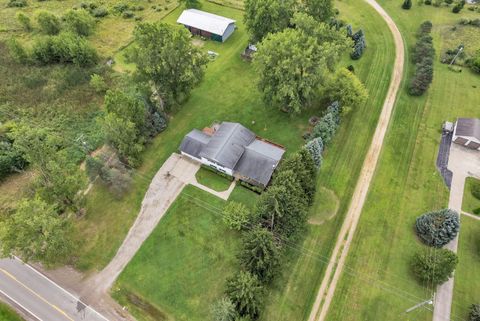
(194, 142)
(259, 161)
(468, 127)
(228, 144)
(205, 21)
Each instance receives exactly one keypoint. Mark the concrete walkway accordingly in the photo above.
(463, 163)
(223, 195)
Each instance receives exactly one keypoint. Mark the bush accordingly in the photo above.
(325, 128)
(224, 310)
(98, 83)
(11, 160)
(434, 267)
(315, 148)
(93, 167)
(48, 22)
(236, 216)
(426, 27)
(64, 48)
(458, 6)
(474, 63)
(24, 20)
(476, 190)
(120, 7)
(99, 12)
(79, 22)
(407, 4)
(422, 78)
(128, 14)
(17, 51)
(17, 3)
(474, 312)
(438, 228)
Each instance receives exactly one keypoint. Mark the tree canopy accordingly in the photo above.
(236, 216)
(245, 291)
(438, 228)
(293, 64)
(345, 88)
(165, 57)
(36, 232)
(321, 10)
(434, 267)
(267, 16)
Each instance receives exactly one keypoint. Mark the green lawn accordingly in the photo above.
(7, 313)
(470, 203)
(227, 93)
(468, 285)
(212, 180)
(181, 268)
(295, 290)
(377, 283)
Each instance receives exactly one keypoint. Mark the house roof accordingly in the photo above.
(259, 161)
(194, 142)
(468, 127)
(205, 21)
(227, 144)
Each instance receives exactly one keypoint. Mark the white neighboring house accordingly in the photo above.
(234, 150)
(207, 24)
(467, 133)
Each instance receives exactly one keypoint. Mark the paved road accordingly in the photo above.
(463, 163)
(345, 237)
(40, 297)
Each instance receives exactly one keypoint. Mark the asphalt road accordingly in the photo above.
(40, 297)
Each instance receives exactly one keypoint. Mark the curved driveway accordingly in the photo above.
(344, 240)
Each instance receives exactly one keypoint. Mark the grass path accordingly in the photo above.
(345, 237)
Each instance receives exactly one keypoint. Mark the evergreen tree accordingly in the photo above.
(407, 4)
(260, 254)
(245, 292)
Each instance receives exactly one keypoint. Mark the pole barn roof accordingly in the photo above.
(468, 127)
(205, 21)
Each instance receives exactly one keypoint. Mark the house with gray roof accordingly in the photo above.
(234, 150)
(208, 25)
(467, 133)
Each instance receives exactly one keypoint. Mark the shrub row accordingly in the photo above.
(359, 42)
(277, 217)
(423, 55)
(323, 132)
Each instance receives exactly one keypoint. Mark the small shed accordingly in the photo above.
(207, 24)
(467, 133)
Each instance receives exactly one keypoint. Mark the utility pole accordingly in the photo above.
(421, 304)
(460, 49)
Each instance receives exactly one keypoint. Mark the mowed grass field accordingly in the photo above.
(295, 290)
(227, 93)
(181, 268)
(377, 283)
(7, 313)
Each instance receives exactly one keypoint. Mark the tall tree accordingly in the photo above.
(245, 291)
(36, 232)
(59, 179)
(345, 88)
(224, 310)
(165, 57)
(321, 10)
(267, 16)
(293, 64)
(434, 267)
(260, 253)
